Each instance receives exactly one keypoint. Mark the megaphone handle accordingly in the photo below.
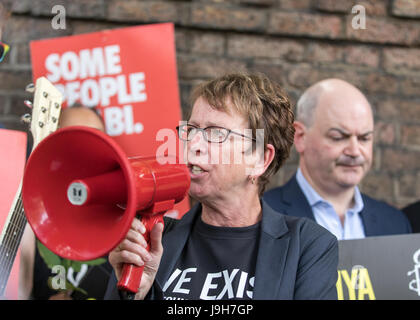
(131, 274)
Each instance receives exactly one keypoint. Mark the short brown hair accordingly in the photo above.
(263, 102)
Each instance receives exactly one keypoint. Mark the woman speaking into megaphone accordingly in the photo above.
(231, 244)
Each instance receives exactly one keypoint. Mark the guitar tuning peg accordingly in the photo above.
(28, 103)
(26, 118)
(30, 88)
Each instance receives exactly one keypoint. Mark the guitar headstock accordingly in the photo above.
(46, 109)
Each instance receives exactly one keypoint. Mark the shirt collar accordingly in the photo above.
(314, 198)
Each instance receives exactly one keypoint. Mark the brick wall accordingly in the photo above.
(296, 42)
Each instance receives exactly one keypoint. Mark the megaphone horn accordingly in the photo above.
(80, 194)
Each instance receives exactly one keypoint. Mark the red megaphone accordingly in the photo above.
(80, 193)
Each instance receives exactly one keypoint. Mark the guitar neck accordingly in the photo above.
(44, 120)
(10, 238)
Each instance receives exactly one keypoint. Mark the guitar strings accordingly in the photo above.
(14, 233)
(9, 247)
(11, 224)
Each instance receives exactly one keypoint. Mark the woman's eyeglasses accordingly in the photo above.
(186, 132)
(4, 48)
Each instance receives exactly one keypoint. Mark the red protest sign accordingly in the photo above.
(128, 74)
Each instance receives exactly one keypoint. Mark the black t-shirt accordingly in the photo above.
(216, 263)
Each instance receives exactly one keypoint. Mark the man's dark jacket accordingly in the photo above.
(412, 212)
(297, 258)
(378, 218)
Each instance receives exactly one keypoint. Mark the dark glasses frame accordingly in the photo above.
(205, 133)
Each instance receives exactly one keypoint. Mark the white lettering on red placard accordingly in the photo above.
(93, 77)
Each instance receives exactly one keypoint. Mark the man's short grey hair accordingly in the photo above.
(306, 105)
(308, 102)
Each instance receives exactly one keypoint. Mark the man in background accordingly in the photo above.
(334, 130)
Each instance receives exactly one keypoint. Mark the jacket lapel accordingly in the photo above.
(174, 243)
(369, 219)
(295, 202)
(272, 253)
